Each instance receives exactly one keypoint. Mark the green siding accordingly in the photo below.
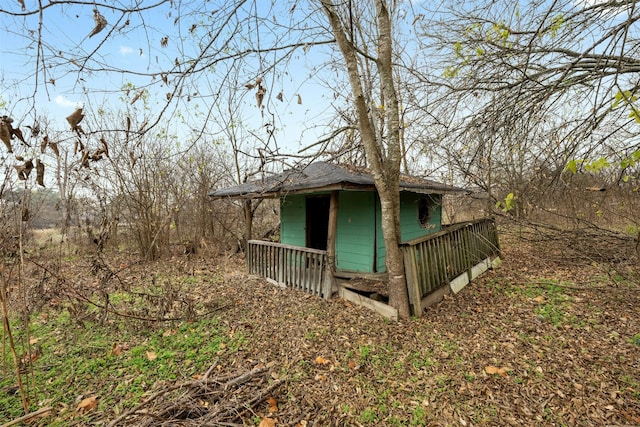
(359, 241)
(381, 249)
(293, 220)
(356, 233)
(409, 224)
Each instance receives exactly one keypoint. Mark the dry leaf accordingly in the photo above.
(138, 95)
(39, 173)
(539, 299)
(75, 118)
(279, 96)
(267, 422)
(5, 132)
(22, 4)
(164, 41)
(322, 361)
(299, 99)
(87, 404)
(169, 332)
(273, 404)
(119, 348)
(260, 95)
(352, 364)
(100, 22)
(151, 355)
(495, 370)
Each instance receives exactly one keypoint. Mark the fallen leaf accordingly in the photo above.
(273, 404)
(322, 361)
(119, 348)
(169, 332)
(352, 364)
(151, 355)
(267, 422)
(539, 299)
(495, 370)
(87, 404)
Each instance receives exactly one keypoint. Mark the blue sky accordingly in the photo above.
(136, 49)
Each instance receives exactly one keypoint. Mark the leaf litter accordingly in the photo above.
(531, 343)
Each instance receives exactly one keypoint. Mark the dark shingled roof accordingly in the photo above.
(324, 176)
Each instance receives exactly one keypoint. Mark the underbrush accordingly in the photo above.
(113, 362)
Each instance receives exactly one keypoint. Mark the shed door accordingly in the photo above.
(317, 221)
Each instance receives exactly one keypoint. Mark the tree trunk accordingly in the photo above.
(384, 160)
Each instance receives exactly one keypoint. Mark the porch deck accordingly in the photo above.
(452, 257)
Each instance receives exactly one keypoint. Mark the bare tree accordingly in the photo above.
(382, 146)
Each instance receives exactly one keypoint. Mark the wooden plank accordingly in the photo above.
(411, 274)
(377, 306)
(274, 244)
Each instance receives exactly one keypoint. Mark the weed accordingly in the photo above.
(418, 416)
(368, 416)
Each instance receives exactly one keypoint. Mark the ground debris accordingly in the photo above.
(223, 399)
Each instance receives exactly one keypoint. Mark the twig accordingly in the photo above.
(28, 416)
(158, 394)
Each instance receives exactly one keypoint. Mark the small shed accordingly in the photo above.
(330, 227)
(305, 203)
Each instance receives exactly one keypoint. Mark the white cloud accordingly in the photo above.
(126, 50)
(64, 102)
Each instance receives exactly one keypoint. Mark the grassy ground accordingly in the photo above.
(547, 339)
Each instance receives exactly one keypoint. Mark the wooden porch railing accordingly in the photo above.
(439, 258)
(291, 266)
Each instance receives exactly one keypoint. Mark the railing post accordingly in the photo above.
(467, 252)
(411, 274)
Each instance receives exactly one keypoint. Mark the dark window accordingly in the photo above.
(424, 212)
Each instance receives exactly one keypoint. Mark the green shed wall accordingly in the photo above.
(359, 242)
(293, 220)
(355, 235)
(409, 223)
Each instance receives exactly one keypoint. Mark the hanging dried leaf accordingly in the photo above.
(75, 118)
(105, 147)
(249, 86)
(44, 144)
(18, 134)
(5, 132)
(25, 214)
(138, 95)
(28, 167)
(52, 81)
(20, 171)
(20, 158)
(258, 81)
(54, 148)
(193, 28)
(164, 78)
(35, 130)
(164, 41)
(39, 173)
(84, 160)
(100, 22)
(260, 95)
(279, 96)
(133, 158)
(299, 99)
